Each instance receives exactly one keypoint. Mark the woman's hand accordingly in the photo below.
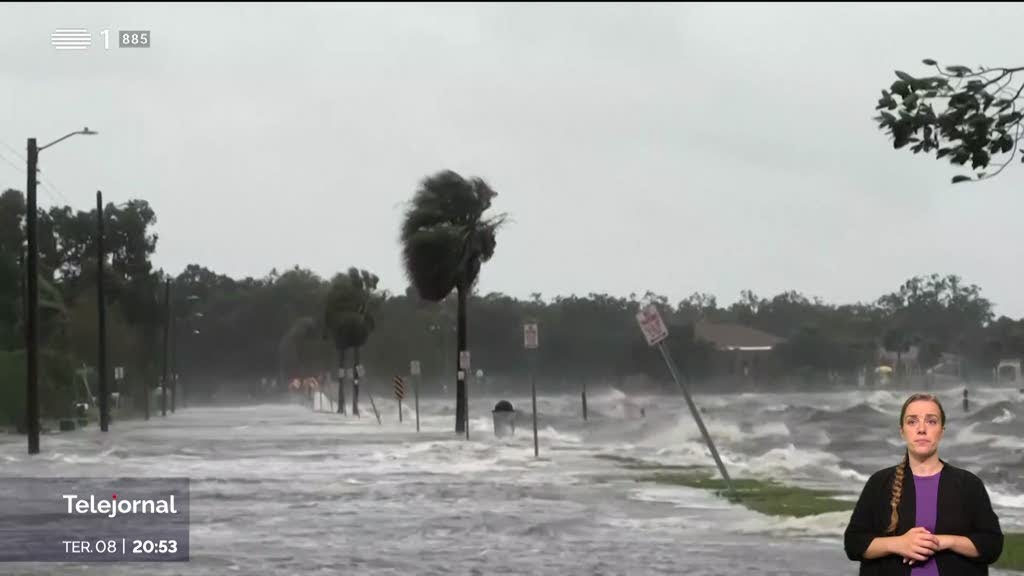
(916, 544)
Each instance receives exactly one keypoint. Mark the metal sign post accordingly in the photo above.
(374, 406)
(399, 394)
(464, 365)
(531, 342)
(655, 332)
(414, 369)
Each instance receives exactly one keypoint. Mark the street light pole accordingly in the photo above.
(32, 319)
(32, 285)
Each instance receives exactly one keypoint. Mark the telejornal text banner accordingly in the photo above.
(94, 519)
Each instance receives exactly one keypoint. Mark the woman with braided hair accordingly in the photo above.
(923, 517)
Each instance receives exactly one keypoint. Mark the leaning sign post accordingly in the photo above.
(414, 370)
(655, 332)
(531, 342)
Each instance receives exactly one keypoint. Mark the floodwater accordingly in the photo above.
(285, 489)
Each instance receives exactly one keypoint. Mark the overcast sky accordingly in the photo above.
(675, 148)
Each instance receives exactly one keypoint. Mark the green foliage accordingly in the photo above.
(763, 496)
(593, 336)
(445, 237)
(979, 116)
(349, 311)
(12, 387)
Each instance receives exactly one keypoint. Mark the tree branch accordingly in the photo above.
(1013, 154)
(1017, 95)
(980, 73)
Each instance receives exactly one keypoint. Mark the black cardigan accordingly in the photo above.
(964, 509)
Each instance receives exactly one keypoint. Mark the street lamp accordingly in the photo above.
(32, 321)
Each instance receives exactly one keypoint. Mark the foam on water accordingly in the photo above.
(886, 401)
(1005, 418)
(318, 474)
(1006, 500)
(827, 524)
(969, 436)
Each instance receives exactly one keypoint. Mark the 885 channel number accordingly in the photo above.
(120, 547)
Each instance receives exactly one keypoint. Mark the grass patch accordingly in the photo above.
(773, 498)
(1012, 557)
(763, 496)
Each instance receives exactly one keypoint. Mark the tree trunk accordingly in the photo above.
(460, 375)
(899, 366)
(355, 381)
(341, 381)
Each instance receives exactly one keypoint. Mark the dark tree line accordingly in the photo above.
(231, 334)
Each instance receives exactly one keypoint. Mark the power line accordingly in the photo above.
(13, 151)
(52, 192)
(13, 165)
(54, 189)
(48, 189)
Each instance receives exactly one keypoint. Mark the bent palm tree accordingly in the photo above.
(348, 319)
(445, 239)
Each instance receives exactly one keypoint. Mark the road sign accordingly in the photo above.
(530, 336)
(650, 323)
(349, 373)
(361, 371)
(399, 387)
(119, 373)
(414, 367)
(464, 360)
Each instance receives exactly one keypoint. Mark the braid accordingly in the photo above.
(897, 492)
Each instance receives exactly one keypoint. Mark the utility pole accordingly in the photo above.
(174, 360)
(167, 327)
(32, 312)
(32, 318)
(101, 308)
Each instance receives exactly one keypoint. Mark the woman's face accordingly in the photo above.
(922, 428)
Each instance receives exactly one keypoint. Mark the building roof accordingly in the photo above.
(735, 336)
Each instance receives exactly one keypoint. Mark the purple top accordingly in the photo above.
(927, 490)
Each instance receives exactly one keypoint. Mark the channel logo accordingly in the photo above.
(71, 39)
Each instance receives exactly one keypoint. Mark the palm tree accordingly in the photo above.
(348, 319)
(445, 239)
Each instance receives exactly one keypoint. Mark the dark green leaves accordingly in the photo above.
(977, 120)
(961, 178)
(929, 62)
(348, 314)
(445, 236)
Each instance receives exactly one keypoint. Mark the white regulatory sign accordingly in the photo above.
(531, 339)
(651, 324)
(414, 367)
